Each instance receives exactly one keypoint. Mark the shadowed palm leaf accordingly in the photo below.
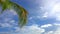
(22, 13)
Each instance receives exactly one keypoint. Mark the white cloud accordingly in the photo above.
(50, 32)
(58, 17)
(13, 11)
(12, 21)
(51, 8)
(56, 24)
(7, 18)
(45, 15)
(7, 22)
(5, 25)
(47, 25)
(57, 31)
(34, 29)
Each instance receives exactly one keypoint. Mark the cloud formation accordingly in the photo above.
(33, 29)
(36, 29)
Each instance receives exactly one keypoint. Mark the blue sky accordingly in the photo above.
(43, 18)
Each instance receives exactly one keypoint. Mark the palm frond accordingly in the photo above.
(22, 13)
(5, 5)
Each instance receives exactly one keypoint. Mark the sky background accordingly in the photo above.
(43, 18)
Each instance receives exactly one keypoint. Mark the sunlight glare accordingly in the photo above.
(56, 11)
(56, 8)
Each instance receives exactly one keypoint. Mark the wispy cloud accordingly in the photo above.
(34, 29)
(7, 19)
(47, 25)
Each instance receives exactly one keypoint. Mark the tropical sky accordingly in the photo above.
(43, 18)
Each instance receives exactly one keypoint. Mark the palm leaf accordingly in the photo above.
(5, 5)
(22, 13)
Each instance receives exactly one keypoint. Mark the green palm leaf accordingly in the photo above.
(22, 13)
(5, 5)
